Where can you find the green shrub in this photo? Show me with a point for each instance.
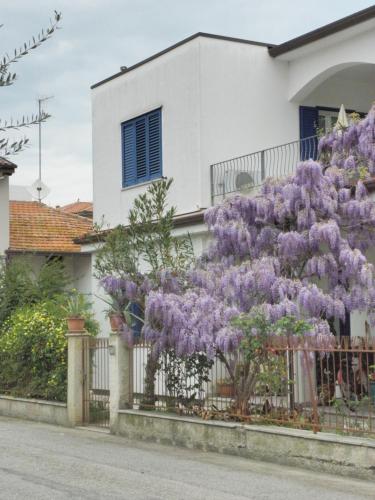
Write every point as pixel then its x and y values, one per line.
pixel 33 352
pixel 20 286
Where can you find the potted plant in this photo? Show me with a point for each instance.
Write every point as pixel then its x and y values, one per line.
pixel 76 309
pixel 225 388
pixel 116 319
pixel 372 383
pixel 114 313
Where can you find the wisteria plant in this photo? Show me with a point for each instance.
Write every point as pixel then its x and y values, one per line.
pixel 296 249
pixel 141 257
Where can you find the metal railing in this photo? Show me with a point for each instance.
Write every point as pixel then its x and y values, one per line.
pixel 245 173
pixel 96 382
pixel 334 391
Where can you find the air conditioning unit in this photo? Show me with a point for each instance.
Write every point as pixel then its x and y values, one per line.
pixel 236 181
pixel 244 181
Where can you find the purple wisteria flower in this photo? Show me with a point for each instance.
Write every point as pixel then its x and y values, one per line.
pixel 298 248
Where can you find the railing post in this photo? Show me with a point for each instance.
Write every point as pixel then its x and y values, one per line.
pixel 262 166
pixel 120 377
pixel 212 185
pixel 77 375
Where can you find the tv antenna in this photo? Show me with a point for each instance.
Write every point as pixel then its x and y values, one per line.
pixel 38 186
pixel 39 190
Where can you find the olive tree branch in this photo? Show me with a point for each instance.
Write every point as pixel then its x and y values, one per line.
pixel 7 77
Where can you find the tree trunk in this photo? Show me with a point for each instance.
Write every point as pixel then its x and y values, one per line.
pixel 244 390
pixel 148 399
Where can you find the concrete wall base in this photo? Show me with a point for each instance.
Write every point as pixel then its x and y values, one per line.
pixel 49 412
pixel 330 453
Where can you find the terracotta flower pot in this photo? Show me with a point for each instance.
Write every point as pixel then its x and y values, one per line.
pixel 76 324
pixel 115 321
pixel 225 390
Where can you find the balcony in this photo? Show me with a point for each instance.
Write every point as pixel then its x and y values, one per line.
pixel 245 174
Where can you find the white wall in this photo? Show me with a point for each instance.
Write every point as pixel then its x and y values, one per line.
pixel 314 63
pixel 4 214
pixel 354 94
pixel 244 106
pixel 78 268
pixel 219 99
pixel 99 306
pixel 170 82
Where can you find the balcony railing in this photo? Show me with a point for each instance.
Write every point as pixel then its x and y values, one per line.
pixel 245 173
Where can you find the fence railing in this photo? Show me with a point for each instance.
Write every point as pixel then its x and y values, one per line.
pixel 298 387
pixel 96 381
pixel 248 172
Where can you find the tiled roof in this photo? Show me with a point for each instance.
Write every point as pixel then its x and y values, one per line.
pixel 35 227
pixel 77 207
pixel 180 220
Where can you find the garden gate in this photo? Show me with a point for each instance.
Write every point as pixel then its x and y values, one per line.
pixel 96 382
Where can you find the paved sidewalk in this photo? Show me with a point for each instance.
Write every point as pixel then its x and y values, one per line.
pixel 38 461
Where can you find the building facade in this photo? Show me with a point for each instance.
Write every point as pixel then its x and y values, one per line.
pixel 211 98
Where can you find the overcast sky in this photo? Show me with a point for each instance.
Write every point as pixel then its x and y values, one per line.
pixel 99 36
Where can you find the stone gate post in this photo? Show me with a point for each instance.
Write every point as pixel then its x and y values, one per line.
pixel 120 377
pixel 78 369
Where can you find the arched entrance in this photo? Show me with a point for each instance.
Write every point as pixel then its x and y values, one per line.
pixel 351 84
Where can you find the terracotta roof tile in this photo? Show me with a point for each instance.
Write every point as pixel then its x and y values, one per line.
pixel 38 228
pixel 77 207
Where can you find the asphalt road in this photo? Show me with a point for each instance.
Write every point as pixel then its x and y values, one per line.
pixel 39 461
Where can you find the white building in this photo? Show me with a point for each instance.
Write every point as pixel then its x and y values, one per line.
pixel 210 98
pixel 7 168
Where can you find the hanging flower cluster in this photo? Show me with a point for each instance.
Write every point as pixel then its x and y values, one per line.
pixel 298 248
pixel 353 148
pixel 127 289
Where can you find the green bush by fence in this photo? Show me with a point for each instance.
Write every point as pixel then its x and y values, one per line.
pixel 33 352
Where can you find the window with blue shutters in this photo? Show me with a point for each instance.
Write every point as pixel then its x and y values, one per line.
pixel 141 149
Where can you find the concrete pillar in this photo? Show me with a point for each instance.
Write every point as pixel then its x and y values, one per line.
pixel 4 214
pixel 78 376
pixel 302 375
pixel 120 377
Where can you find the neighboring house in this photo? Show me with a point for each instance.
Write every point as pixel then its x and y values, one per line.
pixel 41 233
pixel 7 168
pixel 82 208
pixel 184 111
pixel 32 230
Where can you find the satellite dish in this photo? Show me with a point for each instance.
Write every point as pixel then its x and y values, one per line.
pixel 39 190
pixel 244 181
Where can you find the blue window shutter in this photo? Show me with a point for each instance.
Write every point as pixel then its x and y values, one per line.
pixel 154 144
pixel 137 325
pixel 141 140
pixel 128 154
pixel 308 122
pixel 141 149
